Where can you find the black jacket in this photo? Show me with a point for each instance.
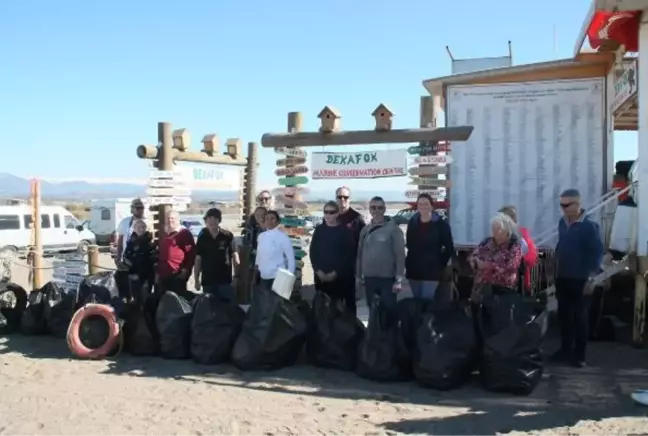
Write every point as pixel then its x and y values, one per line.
pixel 141 255
pixel 429 248
pixel 333 249
pixel 353 221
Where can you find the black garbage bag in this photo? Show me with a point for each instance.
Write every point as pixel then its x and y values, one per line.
pixel 381 354
pixel 214 328
pixel 100 288
pixel 13 301
pixel 173 319
pixel 446 347
pixel 512 329
pixel 273 333
pixel 32 321
pixel 411 313
pixel 139 339
pixel 59 308
pixel 334 335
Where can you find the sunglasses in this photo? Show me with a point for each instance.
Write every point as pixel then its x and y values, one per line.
pixel 342 197
pixel 330 212
pixel 376 207
pixel 138 207
pixel 264 198
pixel 566 205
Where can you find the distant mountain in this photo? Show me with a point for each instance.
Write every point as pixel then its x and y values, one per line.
pixel 12 186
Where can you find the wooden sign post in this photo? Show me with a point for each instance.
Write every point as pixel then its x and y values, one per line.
pixel 174 147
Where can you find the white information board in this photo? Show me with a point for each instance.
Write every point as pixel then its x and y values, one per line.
pixel 531 141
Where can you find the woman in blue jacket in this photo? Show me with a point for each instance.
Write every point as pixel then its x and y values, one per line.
pixel 429 248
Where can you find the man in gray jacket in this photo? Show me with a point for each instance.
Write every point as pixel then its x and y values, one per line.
pixel 380 264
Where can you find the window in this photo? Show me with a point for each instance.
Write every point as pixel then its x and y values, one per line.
pixel 105 214
pixel 9 222
pixel 45 221
pixel 27 220
pixel 57 221
pixel 70 222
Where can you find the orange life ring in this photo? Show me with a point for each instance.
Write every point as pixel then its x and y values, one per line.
pixel 114 339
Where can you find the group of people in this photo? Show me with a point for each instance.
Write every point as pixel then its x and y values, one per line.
pixel 352 258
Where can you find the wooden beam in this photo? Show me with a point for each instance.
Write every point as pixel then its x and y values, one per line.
pixel 311 139
pixel 151 152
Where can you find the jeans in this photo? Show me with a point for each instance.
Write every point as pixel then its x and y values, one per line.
pixel 224 291
pixel 341 289
pixel 572 314
pixel 382 289
pixel 424 288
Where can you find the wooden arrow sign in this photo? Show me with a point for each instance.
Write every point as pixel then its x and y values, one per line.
pixel 438 160
pixel 288 181
pixel 295 231
pixel 291 161
pixel 293 212
pixel 293 222
pixel 301 169
pixel 434 193
pixel 300 254
pixel 291 190
pixel 291 202
pixel 435 148
pixel 292 152
pixel 428 171
pixel 298 242
pixel 430 182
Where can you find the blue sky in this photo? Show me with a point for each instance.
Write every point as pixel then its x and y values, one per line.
pixel 83 83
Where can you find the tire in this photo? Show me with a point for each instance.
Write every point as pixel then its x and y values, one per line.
pixel 83 247
pixel 114 340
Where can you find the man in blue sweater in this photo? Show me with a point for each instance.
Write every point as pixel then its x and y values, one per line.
pixel 578 260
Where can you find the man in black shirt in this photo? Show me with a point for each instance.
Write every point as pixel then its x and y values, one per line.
pixel 215 256
pixel 349 217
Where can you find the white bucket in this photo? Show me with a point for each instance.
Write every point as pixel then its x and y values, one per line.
pixel 283 283
pixel 623 236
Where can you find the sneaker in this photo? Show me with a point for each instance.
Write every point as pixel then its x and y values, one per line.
pixel 560 356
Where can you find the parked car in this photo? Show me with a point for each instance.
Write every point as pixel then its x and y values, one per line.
pixel 194 226
pixel 403 216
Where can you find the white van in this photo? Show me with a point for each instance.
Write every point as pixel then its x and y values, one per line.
pixel 105 216
pixel 61 231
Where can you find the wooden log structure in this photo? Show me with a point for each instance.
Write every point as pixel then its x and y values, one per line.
pixel 151 152
pixel 314 139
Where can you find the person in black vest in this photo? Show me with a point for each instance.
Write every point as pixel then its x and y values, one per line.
pixel 140 257
pixel 216 256
pixel 429 248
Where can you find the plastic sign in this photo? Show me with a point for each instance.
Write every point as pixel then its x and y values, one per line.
pixel 301 169
pixel 293 222
pixel 293 212
pixel 296 231
pixel 288 181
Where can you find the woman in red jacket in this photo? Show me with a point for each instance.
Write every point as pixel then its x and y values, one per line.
pixel 531 255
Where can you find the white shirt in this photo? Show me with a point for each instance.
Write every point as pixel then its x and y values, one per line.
pixel 274 251
pixel 124 231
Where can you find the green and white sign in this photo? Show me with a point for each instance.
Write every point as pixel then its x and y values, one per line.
pixel 359 164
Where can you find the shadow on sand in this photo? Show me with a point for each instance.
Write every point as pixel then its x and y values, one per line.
pixel 564 397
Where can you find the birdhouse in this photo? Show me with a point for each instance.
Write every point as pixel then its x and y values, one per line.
pixel 210 143
pixel 330 119
pixel 181 139
pixel 383 117
pixel 234 147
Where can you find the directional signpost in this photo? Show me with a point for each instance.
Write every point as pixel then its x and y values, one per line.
pixel 437 160
pixel 291 171
pixel 423 149
pixel 292 152
pixel 428 171
pixel 291 161
pixel 419 181
pixel 291 190
pixel 434 193
pixel 168 188
pixel 290 181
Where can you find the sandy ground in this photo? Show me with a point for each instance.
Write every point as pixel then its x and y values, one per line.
pixel 43 390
